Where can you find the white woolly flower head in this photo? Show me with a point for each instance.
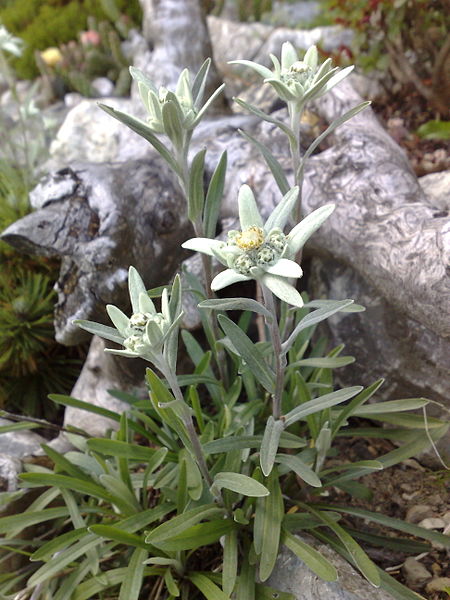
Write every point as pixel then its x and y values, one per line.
pixel 147 333
pixel 261 251
pixel 297 80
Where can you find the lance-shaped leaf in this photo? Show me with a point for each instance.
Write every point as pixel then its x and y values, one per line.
pixel 230 562
pixel 214 196
pixel 177 525
pixel 205 107
pixel 269 444
pixel 315 317
pixel 241 484
pixel 143 130
pixel 249 352
pixel 267 528
pixel 103 331
pixel 198 85
pixel 273 164
pixel 236 304
pixel 320 565
pixel 321 403
pixel 196 196
pixel 298 236
pixel 300 468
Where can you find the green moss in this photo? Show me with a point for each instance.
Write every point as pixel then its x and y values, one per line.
pixel 45 23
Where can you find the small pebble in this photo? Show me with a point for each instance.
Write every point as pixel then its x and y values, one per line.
pixel 414 572
pixel 438 584
pixel 418 512
pixel 433 523
pixel 446 517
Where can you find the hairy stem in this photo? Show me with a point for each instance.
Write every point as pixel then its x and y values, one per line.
pixel 188 423
pixel 280 361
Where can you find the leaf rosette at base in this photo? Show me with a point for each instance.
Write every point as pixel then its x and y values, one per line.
pixel 261 251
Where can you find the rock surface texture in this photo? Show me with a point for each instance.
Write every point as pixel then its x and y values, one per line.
pixel 292 576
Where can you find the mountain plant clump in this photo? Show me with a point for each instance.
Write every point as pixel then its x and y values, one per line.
pixel 196 490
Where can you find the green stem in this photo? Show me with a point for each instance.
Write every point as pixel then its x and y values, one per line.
pixel 188 423
pixel 280 360
pixel 295 116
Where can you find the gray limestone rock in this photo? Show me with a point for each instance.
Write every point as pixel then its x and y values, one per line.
pixel 18 444
pixel 291 575
pixel 89 134
pixel 10 468
pixel 436 187
pixel 99 220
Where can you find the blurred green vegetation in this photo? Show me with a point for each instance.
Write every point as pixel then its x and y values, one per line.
pixel 46 23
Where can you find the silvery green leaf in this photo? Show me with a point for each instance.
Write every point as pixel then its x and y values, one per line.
pixel 276 65
pixel 285 268
pixel 143 93
pixel 323 443
pixel 311 57
pixel 315 317
pixel 146 304
pixel 324 69
pixel 175 297
pixel 196 194
pixel 165 304
pixel 272 163
pixel 170 340
pixel 318 404
pixel 119 319
pixel 198 85
pixel 317 88
pixel 136 287
pixel 338 78
pixel 241 484
pixel 282 289
pixel 103 331
pixel 203 245
pixel 180 523
pixel 230 562
pixel 205 107
pixel 142 129
pixel 183 87
pixel 132 583
pixel 288 55
pixel 334 125
pixel 214 196
pixel 350 308
pixel 318 564
pixel 236 304
pixel 248 210
pixel 262 115
pixel 154 106
pixel 249 352
pixel 154 334
pixel 173 123
pixel 227 277
pixel 270 513
pixel 391 406
pixel 260 69
pixel 269 444
pixel 298 236
pixel 296 464
pixel 282 90
pixel 124 353
pixel 142 79
pixel 281 213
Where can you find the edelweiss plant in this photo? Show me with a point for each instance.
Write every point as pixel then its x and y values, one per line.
pixel 195 492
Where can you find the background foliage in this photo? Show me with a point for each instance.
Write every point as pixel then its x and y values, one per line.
pixel 45 23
